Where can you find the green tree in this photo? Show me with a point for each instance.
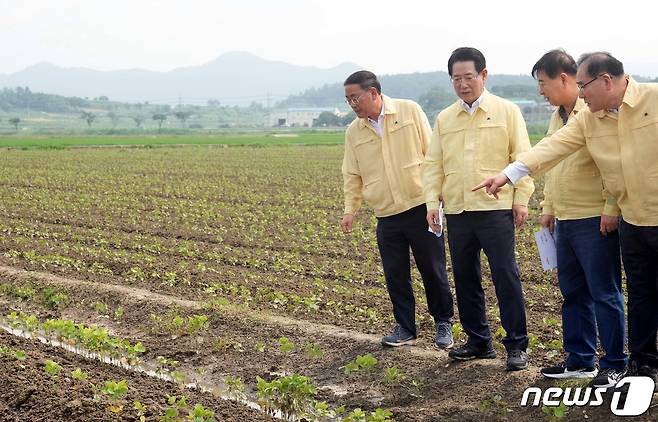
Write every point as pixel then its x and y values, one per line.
pixel 183 115
pixel 15 121
pixel 89 117
pixel 435 100
pixel 138 120
pixel 348 118
pixel 160 118
pixel 327 118
pixel 114 118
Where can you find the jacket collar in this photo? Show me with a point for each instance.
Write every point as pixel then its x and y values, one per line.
pixel 631 96
pixel 389 108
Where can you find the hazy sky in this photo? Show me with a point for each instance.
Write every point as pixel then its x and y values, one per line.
pixel 384 36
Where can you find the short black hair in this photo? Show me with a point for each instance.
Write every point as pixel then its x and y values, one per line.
pixel 553 63
pixel 364 79
pixel 601 62
pixel 467 54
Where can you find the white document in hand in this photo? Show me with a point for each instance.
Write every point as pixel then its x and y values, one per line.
pixel 439 222
pixel 546 246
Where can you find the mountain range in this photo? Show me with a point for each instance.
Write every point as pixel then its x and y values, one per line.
pixel 235 78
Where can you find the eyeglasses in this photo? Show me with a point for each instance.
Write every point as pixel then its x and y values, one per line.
pixel 469 77
pixel 354 100
pixel 582 86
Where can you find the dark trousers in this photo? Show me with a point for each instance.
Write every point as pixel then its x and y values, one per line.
pixel 639 250
pixel 589 274
pixel 491 231
pixel 395 235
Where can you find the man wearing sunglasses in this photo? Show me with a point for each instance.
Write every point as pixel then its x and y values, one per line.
pixel 620 131
pixel 384 150
pixel 472 138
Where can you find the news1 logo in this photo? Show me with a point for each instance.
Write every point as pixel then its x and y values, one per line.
pixel 637 390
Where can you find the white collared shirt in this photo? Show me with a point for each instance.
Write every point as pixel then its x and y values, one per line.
pixel 471 109
pixel 377 124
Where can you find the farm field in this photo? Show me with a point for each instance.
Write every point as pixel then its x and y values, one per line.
pixel 225 269
pixel 153 140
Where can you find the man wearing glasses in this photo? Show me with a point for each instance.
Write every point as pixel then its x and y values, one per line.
pixel 589 266
pixel 384 150
pixel 472 138
pixel 620 131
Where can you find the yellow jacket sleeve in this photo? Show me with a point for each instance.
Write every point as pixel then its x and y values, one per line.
pixel 520 143
pixel 610 207
pixel 433 174
pixel 352 182
pixel 553 149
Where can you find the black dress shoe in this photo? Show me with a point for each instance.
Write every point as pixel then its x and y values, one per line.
pixel 469 351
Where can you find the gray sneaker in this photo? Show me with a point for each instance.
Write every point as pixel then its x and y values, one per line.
pixel 444 336
pixel 399 337
pixel 517 360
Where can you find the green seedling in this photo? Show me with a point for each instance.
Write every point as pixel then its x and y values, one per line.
pixel 78 374
pixel 556 412
pixel 54 299
pixel 285 345
pixel 100 308
pixel 141 411
pixel 178 377
pixel 201 414
pixel 259 347
pixel 235 387
pixel 197 323
pixel 393 375
pixel 115 391
pixel 500 333
pixel 24 293
pixel 293 395
pixel 313 350
pixel 365 363
pixel 118 313
pixel 494 404
pixel 20 355
pixel 176 406
pixel 379 415
pixel 52 368
pixel 458 332
pixel 165 364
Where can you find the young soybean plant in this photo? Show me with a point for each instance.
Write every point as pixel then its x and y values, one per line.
pixel 78 374
pixel 141 410
pixel 235 387
pixel 201 414
pixel 52 368
pixel 115 391
pixel 285 345
pixel 379 415
pixel 362 363
pixel 392 375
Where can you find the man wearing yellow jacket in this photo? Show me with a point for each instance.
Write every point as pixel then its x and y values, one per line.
pixel 588 261
pixel 472 138
pixel 384 150
pixel 620 131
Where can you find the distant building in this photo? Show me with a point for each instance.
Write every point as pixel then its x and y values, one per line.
pixel 297 117
pixel 535 112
